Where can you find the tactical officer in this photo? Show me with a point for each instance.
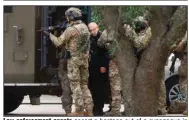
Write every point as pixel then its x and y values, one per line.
pixel 140 36
pixel 63 78
pixel 75 38
pixel 65 83
pixel 98 71
pixel 107 40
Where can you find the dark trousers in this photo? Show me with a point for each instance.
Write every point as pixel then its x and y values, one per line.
pixel 99 87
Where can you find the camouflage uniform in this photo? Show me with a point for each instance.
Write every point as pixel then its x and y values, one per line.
pixel 115 84
pixel 183 71
pixel 75 38
pixel 115 79
pixel 162 96
pixel 140 40
pixel 65 84
pixel 64 81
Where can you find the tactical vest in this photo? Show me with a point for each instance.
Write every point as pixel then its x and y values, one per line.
pixel 83 37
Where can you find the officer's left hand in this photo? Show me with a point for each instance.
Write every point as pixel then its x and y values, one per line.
pixel 102 69
pixel 107 45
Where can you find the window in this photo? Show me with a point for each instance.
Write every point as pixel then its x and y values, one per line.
pixel 7 9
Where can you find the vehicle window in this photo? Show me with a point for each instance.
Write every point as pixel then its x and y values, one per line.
pixel 8 9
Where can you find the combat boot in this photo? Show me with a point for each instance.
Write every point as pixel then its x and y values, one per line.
pixel 68 113
pixel 113 113
pixel 76 114
pixel 89 113
pixel 162 112
pixel 185 112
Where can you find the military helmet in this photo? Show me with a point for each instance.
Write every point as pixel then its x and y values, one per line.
pixel 73 13
pixel 140 23
pixel 140 18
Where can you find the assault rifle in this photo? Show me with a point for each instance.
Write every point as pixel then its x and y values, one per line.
pixel 60 27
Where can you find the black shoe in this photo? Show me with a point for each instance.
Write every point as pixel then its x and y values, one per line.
pixel 112 113
pixel 98 113
pixel 123 113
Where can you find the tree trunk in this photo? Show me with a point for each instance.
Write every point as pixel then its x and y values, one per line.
pixel 124 56
pixel 127 63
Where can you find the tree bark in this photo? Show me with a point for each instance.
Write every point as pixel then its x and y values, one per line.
pixel 127 63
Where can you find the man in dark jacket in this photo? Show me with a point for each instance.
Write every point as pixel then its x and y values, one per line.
pixel 99 84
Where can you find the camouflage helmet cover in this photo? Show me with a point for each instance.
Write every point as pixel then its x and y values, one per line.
pixel 73 13
pixel 140 18
pixel 139 23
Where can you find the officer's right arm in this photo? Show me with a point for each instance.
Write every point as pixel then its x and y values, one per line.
pixel 102 39
pixel 128 30
pixel 65 36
